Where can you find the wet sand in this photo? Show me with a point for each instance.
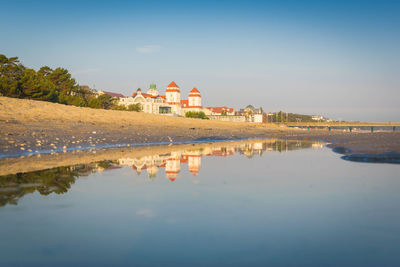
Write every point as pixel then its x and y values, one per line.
pixel 28 127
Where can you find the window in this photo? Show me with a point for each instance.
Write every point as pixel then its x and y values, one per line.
pixel 165 110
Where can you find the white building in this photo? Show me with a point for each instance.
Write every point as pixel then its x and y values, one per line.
pixel 170 104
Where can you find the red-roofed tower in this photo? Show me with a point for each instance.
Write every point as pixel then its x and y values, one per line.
pixel 194 98
pixel 173 94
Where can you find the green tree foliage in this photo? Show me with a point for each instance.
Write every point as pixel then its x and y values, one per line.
pixel 35 86
pixel 45 84
pixel 198 115
pixel 11 72
pixel 103 101
pixel 64 83
pixel 49 85
pixel 289 117
pixel 135 107
pixel 120 107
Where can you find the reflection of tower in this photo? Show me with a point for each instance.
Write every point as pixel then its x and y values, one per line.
pixel 152 171
pixel 194 162
pixel 172 167
pixel 138 165
pixel 138 169
pixel 258 147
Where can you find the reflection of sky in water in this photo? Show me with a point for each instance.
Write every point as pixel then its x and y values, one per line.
pixel 301 208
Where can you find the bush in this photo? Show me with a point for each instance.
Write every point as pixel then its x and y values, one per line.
pixel 197 115
pixel 135 107
pixel 120 107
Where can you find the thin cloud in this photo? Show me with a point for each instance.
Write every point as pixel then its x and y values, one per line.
pixel 148 49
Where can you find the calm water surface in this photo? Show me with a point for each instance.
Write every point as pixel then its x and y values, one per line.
pixel 270 203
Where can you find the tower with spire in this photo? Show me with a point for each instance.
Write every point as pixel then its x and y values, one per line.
pixel 153 90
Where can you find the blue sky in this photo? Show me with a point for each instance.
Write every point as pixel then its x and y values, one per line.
pixel 335 58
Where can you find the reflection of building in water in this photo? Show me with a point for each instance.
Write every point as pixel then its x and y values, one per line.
pixel 192 157
pixel 194 161
pixel 173 166
pixel 59 180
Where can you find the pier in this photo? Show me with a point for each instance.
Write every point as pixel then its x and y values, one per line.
pixel 344 125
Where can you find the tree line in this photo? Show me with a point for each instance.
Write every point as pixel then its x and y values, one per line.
pixel 53 85
pixel 55 180
pixel 282 117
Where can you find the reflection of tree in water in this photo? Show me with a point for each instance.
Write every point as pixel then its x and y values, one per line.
pixel 56 180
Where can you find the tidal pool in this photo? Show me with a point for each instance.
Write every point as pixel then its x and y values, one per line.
pixel 270 203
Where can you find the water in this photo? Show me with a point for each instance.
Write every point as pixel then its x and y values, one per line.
pixel 260 204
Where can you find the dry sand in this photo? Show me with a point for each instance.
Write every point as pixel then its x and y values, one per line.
pixel 27 126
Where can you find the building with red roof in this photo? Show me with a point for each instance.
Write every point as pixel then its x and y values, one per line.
pixel 221 110
pixel 168 104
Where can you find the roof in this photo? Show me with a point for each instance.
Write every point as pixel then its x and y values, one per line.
pixel 220 109
pixel 173 84
pixel 185 103
pixel 250 107
pixel 113 94
pixel 194 93
pixel 146 95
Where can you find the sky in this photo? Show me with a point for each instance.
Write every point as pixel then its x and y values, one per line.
pixel 338 58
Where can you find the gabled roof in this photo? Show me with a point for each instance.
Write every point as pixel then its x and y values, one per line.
pixel 113 94
pixel 173 84
pixel 194 90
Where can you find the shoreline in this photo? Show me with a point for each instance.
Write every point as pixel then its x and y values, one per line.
pixel 33 127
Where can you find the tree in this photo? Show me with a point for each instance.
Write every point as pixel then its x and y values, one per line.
pixel 35 86
pixel 45 71
pixel 63 81
pixel 11 72
pixel 47 84
pixel 103 101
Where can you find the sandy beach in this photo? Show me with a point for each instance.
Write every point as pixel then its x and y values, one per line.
pixel 28 126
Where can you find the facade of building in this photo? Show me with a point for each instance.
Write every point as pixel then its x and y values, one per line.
pixel 168 104
pixel 252 114
pixel 173 105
